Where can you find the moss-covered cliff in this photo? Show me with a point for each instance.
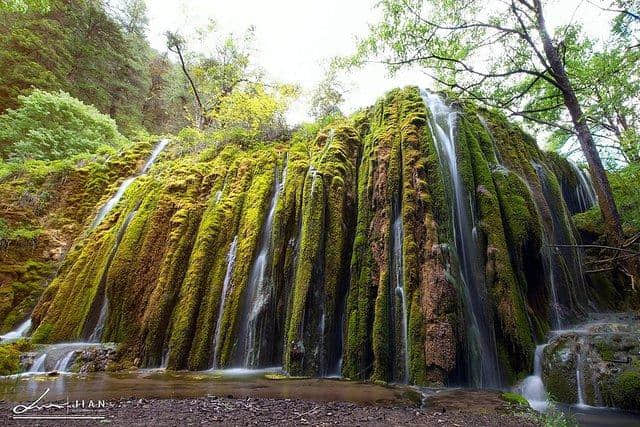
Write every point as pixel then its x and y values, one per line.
pixel 309 226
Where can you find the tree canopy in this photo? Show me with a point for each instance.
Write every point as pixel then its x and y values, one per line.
pixel 51 126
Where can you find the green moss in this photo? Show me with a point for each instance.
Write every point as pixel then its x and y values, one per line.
pixel 626 391
pixel 9 359
pixel 514 398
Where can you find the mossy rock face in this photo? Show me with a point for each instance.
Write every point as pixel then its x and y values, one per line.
pixel 607 355
pixel 559 369
pixel 177 292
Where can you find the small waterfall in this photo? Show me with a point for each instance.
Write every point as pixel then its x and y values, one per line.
pixel 257 292
pixel 563 260
pixel 113 201
pixel 547 255
pixel 218 196
pixel 38 364
pixel 284 173
pixel 532 387
pixel 63 364
pixel 314 175
pixel 496 151
pixel 231 259
pixel 481 353
pixel 400 304
pixel 165 359
pixel 96 331
pixel 154 155
pixel 18 332
pixel 585 194
pixel 579 379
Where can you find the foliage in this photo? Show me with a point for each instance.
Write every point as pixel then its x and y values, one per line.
pixel 24 5
pixel 607 81
pixel 231 97
pixel 327 96
pixel 452 41
pixel 556 418
pixel 624 183
pixel 50 126
pixel 514 398
pixel 249 116
pixel 97 53
pixel 10 356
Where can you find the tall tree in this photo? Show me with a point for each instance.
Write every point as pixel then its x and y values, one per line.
pixel 176 44
pixel 327 96
pixel 215 72
pixel 471 47
pixel 76 46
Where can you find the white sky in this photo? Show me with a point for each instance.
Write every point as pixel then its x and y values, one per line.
pixel 294 38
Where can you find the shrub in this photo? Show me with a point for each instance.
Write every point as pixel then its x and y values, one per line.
pixel 51 126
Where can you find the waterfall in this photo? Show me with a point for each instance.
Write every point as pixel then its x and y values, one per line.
pixel 496 151
pixel 63 364
pixel 579 369
pixel 96 331
pixel 257 292
pixel 18 332
pixel 38 364
pixel 585 193
pixel 547 256
pixel 113 201
pixel 567 259
pixel 400 304
pixel 532 387
pixel 482 353
pixel 231 259
pixel 154 155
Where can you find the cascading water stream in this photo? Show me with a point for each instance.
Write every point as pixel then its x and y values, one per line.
pixel 482 353
pixel 63 364
pixel 19 332
pixel 154 155
pixel 585 192
pixel 96 331
pixel 231 259
pixel 400 304
pixel 579 379
pixel 113 201
pixel 494 145
pixel 560 242
pixel 532 387
pixel 38 364
pixel 257 292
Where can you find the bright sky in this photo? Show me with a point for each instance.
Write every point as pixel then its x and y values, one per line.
pixel 294 38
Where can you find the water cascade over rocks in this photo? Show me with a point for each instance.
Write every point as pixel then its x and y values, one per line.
pixel 482 353
pixel 413 242
pixel 113 201
pixel 19 332
pixel 231 259
pixel 258 293
pixel 95 327
pixel 532 387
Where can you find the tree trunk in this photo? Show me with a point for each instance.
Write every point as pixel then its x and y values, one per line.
pixel 613 225
pixel 200 116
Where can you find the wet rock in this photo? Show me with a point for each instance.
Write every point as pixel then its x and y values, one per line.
pixel 607 356
pixel 95 359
